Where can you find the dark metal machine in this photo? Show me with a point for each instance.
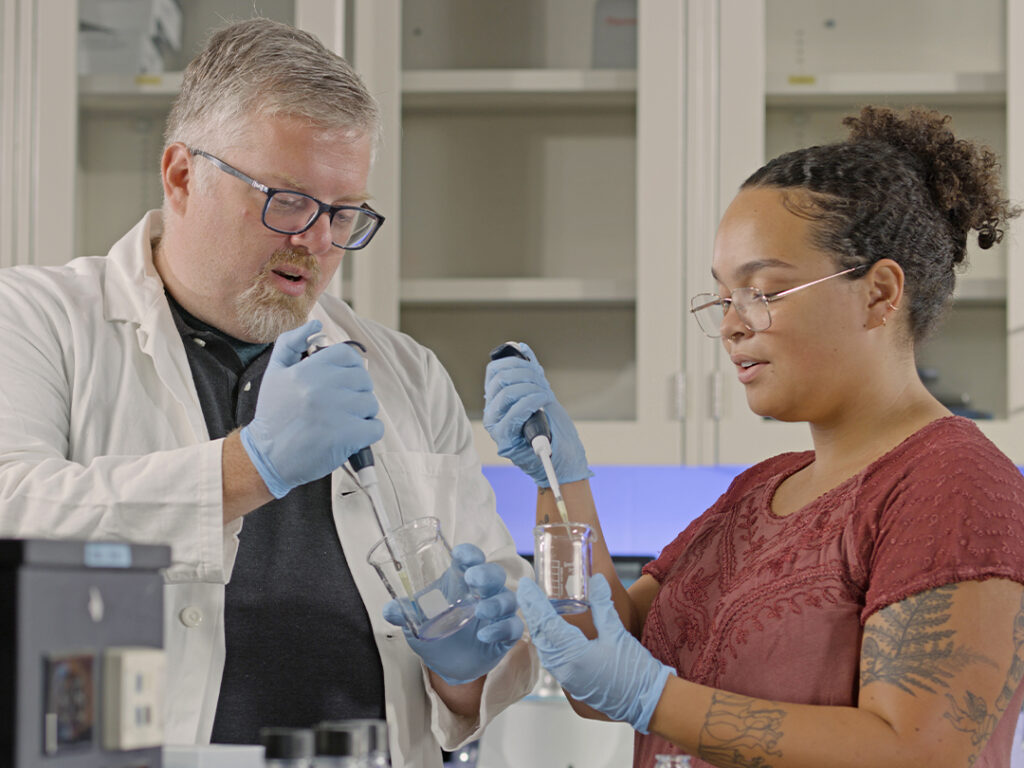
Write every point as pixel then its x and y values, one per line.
pixel 81 654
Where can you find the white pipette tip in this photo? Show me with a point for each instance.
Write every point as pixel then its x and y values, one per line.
pixel 542 447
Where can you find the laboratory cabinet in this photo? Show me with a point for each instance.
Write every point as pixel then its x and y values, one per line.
pixel 539 197
pixel 815 62
pixel 544 187
pixel 530 195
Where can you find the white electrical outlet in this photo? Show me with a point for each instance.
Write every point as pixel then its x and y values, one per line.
pixel 133 697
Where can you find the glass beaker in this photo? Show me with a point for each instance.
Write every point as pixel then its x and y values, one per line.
pixel 415 563
pixel 562 562
pixel 378 753
pixel 671 761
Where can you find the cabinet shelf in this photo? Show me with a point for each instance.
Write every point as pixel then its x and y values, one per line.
pixel 128 93
pixel 981 88
pixel 506 291
pixel 421 89
pixel 493 88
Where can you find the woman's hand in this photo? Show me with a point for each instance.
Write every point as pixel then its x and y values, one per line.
pixel 514 389
pixel 613 673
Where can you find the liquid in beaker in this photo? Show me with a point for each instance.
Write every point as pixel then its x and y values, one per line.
pixel 562 562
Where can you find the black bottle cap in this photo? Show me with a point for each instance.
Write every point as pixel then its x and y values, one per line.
pixel 342 738
pixel 287 743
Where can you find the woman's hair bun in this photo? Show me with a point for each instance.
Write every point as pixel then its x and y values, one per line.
pixel 962 176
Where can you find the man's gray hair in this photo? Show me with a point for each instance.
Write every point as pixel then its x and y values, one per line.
pixel 261 68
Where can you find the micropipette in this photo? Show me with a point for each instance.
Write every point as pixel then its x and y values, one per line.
pixel 537 431
pixel 362 464
pixel 362 460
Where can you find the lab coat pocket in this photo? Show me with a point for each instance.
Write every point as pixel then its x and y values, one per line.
pixel 420 485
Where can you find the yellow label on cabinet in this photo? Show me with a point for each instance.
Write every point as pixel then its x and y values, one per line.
pixel 802 79
pixel 148 79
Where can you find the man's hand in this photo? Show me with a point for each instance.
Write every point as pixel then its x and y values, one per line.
pixel 312 413
pixel 477 647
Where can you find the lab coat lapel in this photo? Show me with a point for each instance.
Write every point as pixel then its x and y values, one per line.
pixel 134 293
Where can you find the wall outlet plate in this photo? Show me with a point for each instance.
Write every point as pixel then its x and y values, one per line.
pixel 133 697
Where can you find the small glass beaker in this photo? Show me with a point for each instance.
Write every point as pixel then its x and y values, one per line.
pixel 562 562
pixel 671 761
pixel 378 753
pixel 415 563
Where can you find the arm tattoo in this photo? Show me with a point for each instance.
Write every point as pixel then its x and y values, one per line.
pixel 912 647
pixel 973 716
pixel 740 732
pixel 1016 673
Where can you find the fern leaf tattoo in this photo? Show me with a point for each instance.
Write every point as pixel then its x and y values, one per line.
pixel 912 647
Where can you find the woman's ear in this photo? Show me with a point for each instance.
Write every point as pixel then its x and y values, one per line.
pixel 884 283
pixel 176 174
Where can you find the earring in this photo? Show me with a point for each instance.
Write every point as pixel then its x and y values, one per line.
pixel 884 318
pixel 893 307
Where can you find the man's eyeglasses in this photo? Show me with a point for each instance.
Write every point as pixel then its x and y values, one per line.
pixel 291 213
pixel 750 304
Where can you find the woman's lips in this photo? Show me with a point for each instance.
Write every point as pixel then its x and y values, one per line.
pixel 748 370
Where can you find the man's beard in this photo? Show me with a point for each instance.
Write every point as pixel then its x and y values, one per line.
pixel 264 312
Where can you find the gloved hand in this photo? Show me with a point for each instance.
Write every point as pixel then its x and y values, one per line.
pixel 513 390
pixel 613 673
pixel 311 414
pixel 477 647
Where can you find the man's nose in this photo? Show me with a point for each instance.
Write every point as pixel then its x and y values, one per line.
pixel 317 239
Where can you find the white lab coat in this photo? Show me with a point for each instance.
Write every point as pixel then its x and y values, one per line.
pixel 102 437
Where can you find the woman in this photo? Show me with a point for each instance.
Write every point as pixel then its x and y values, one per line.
pixel 855 605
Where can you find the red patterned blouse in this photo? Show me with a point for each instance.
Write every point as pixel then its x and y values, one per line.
pixel 773 607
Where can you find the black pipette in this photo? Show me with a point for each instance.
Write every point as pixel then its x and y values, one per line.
pixel 536 430
pixel 362 460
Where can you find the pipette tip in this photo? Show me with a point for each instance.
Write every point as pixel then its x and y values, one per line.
pixel 562 510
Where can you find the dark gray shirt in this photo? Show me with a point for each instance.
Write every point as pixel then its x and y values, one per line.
pixel 299 644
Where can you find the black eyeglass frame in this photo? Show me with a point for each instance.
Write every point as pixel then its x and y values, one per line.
pixel 322 207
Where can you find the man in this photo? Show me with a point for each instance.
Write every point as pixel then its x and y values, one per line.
pixel 127 377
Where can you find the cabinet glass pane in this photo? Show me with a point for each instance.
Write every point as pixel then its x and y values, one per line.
pixel 202 16
pixel 811 37
pixel 588 354
pixel 120 135
pixel 964 365
pixel 519 195
pixel 525 34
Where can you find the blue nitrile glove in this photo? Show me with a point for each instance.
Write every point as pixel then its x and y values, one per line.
pixel 613 673
pixel 478 646
pixel 513 390
pixel 311 414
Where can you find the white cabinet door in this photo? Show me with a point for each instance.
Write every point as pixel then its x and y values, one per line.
pixel 537 198
pixel 37 131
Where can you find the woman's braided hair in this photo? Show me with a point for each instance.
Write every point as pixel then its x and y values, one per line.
pixel 901 187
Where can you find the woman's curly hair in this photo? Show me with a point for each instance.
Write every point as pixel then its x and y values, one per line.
pixel 901 187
